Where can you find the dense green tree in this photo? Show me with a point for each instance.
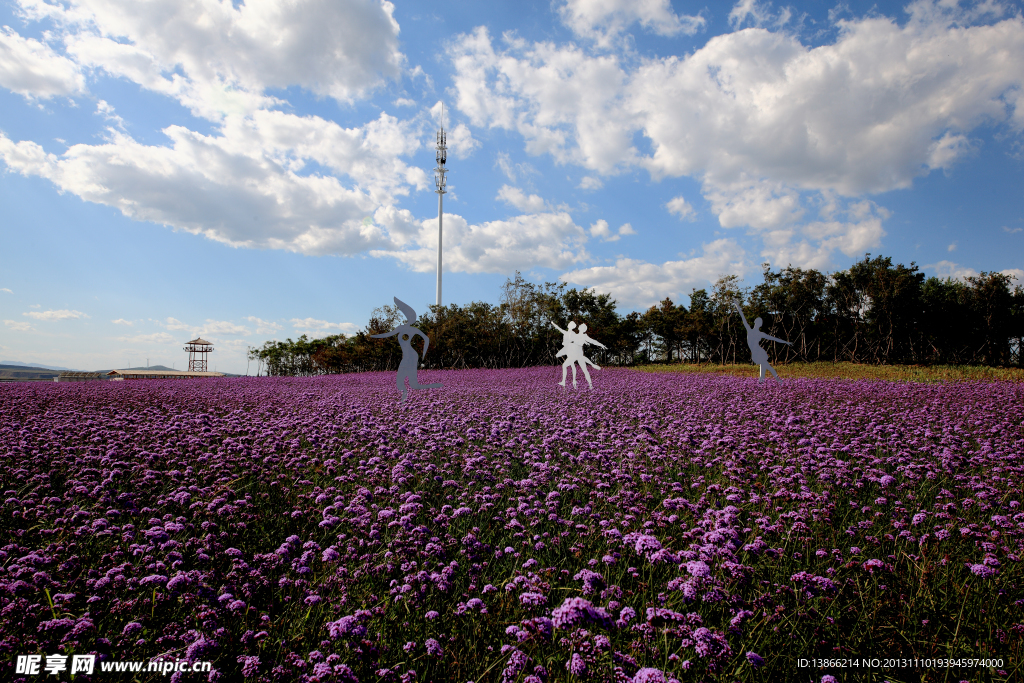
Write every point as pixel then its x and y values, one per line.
pixel 791 304
pixel 873 312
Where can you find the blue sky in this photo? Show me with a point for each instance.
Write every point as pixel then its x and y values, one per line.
pixel 257 170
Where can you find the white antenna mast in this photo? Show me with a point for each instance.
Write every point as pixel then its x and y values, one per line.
pixel 440 182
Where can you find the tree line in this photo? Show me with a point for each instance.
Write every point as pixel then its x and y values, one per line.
pixel 874 312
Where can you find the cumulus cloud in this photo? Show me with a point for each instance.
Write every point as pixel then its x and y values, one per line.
pixel 32 69
pixel 1016 273
pixel 175 324
pixel 770 126
pixel 244 187
pixel 681 208
pixel 461 141
pixel 849 227
pixel 949 270
pixel 561 100
pixel 63 314
pixel 215 56
pixel 546 240
pixel 264 326
pixel 753 203
pixel 642 284
pixel 519 199
pixel 122 321
pixel 223 327
pixel 868 113
pixel 601 230
pixel 513 170
pixel 19 326
pixel 603 20
pixel 322 326
pixel 758 14
pixel 590 183
pixel 5 289
pixel 246 183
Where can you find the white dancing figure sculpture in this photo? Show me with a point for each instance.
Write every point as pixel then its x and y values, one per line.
pixel 572 349
pixel 410 359
pixel 754 336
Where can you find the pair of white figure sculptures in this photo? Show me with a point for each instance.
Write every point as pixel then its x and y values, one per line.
pixel 573 341
pixel 572 349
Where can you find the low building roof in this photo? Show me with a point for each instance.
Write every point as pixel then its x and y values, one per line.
pixel 160 374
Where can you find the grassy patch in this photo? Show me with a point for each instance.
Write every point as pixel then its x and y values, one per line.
pixel 844 370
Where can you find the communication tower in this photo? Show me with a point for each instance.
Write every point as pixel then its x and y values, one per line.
pixel 440 182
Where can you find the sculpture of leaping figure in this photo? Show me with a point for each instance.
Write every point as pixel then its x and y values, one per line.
pixel 410 359
pixel 572 349
pixel 754 336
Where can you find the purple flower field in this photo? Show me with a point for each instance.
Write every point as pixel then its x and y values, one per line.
pixel 658 528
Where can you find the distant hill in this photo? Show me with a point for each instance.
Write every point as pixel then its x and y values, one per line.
pixel 151 367
pixel 21 371
pixel 26 372
pixel 15 363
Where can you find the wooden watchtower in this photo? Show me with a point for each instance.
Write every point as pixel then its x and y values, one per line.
pixel 198 349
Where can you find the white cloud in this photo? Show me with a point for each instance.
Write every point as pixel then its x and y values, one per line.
pixel 174 324
pixel 4 289
pixel 851 228
pixel 402 227
pixel 642 284
pixel 154 338
pixel 106 110
pixel 19 326
pixel 322 326
pixel 603 20
pixel 951 247
pixel 757 204
pixel 405 102
pixel 245 183
pixel 243 187
pixel 223 327
pixel 600 229
pixel 62 314
pixel 513 171
pixel 1006 229
pixel 868 113
pixel 590 183
pixel 954 271
pixel 758 14
pixel 681 208
pixel 519 199
pixel 1016 273
pixel 950 270
pixel 545 240
pixel 264 326
pixel 561 100
pixel 32 69
pixel 461 141
pixel 215 57
pixel 122 321
pixel 770 126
